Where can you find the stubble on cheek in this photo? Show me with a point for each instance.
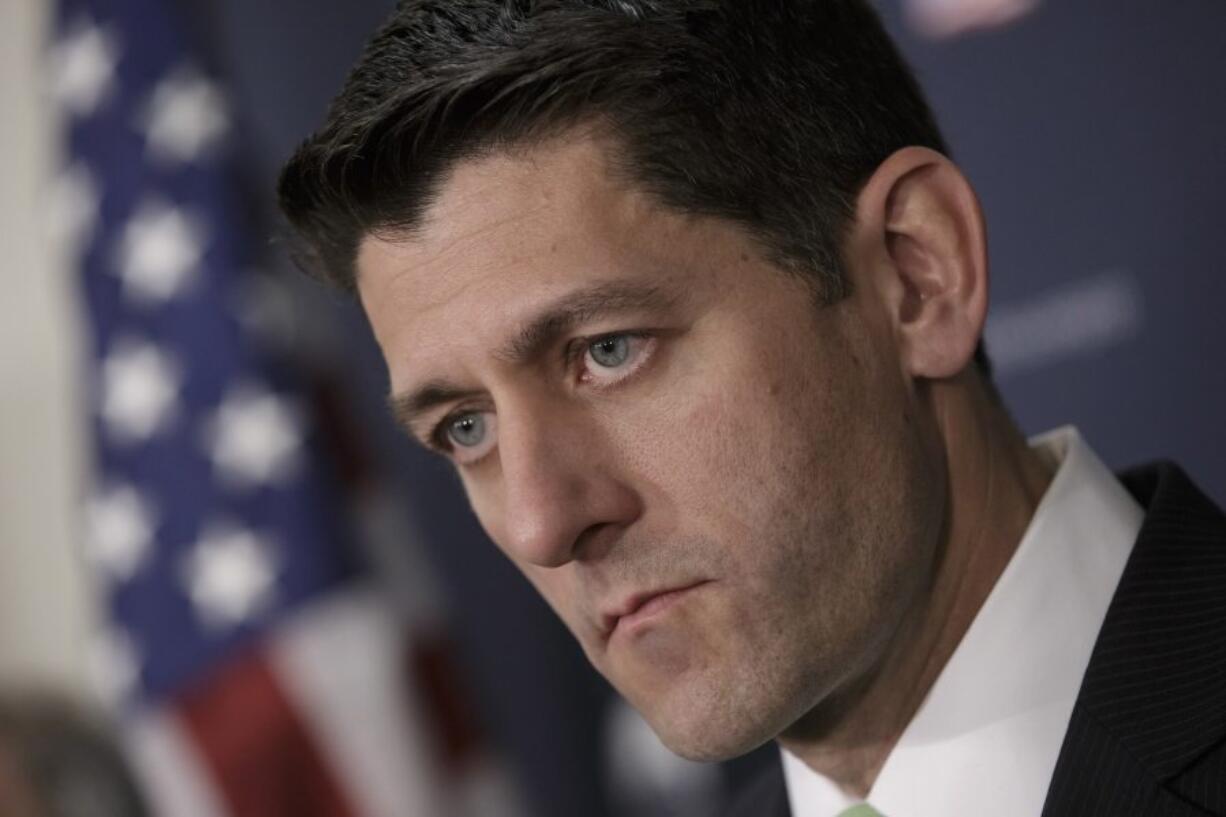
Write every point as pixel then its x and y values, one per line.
pixel 716 681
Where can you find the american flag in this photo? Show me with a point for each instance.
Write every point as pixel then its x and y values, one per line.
pixel 255 671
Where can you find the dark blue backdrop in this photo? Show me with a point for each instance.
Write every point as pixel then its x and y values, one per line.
pixel 1095 133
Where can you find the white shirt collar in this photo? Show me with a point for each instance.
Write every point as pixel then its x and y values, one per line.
pixel 987 736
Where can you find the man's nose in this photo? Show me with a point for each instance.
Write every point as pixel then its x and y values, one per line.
pixel 564 497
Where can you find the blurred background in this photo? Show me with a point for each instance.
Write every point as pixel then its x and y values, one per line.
pixel 228 587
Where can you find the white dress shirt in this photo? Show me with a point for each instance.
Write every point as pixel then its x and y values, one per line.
pixel 986 738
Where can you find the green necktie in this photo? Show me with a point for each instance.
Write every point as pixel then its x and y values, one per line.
pixel 861 810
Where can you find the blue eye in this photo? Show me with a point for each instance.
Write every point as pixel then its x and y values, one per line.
pixel 610 352
pixel 467 430
pixel 467 437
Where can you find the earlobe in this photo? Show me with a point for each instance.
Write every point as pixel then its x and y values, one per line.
pixel 928 226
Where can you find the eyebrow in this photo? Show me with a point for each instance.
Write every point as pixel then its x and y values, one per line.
pixel 536 335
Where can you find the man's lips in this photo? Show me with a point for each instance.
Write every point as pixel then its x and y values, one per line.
pixel 640 606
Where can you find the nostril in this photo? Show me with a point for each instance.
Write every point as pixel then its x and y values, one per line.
pixel 595 541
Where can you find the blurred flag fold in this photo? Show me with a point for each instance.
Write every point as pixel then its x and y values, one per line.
pixel 256 672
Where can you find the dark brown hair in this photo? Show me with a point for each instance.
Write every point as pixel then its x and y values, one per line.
pixel 768 113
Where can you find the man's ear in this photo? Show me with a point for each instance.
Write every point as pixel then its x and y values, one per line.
pixel 921 238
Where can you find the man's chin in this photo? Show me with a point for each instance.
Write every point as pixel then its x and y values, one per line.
pixel 713 748
pixel 702 708
pixel 708 735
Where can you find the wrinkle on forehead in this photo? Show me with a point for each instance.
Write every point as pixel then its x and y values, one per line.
pixel 400 257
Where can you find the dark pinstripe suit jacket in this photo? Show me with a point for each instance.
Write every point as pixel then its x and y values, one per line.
pixel 1148 733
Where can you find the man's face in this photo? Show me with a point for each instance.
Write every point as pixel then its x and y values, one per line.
pixel 720 488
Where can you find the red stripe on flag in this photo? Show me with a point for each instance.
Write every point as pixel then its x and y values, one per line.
pixel 448 706
pixel 263 758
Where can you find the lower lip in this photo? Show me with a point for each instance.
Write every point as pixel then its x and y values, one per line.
pixel 651 609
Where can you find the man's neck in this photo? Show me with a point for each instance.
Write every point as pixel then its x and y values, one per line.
pixel 995 484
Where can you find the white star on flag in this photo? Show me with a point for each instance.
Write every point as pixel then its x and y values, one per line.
pixel 265 308
pixel 82 68
pixel 140 385
pixel 160 251
pixel 73 199
pixel 947 18
pixel 186 115
pixel 254 437
pixel 229 575
pixel 120 524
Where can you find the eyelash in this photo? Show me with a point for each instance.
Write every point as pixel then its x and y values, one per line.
pixel 438 437
pixel 574 352
pixel 578 349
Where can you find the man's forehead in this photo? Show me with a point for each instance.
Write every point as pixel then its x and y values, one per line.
pixel 508 318
pixel 498 304
pixel 514 225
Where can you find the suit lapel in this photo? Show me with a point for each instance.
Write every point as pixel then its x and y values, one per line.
pixel 1153 700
